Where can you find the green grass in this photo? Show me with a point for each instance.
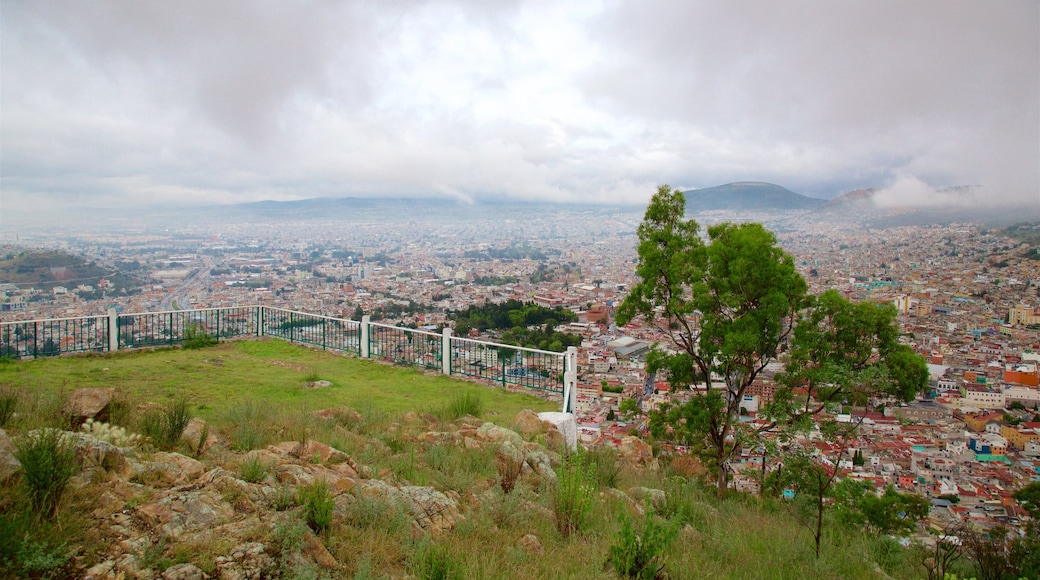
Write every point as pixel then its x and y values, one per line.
pixel 218 379
pixel 252 393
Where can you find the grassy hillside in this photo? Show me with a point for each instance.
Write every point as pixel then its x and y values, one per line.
pixel 217 379
pixel 404 433
pixel 47 269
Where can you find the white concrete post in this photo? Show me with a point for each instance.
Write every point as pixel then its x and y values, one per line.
pixel 570 379
pixel 113 330
pixel 365 321
pixel 446 352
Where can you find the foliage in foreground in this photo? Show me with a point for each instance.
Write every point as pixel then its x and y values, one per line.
pixel 166 425
pixel 638 553
pixel 372 537
pixel 48 461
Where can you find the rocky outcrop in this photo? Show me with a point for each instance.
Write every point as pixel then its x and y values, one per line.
pixel 645 496
pixel 194 432
pixel 147 503
pixel 85 404
pixel 635 452
pixel 172 468
pixel 527 423
pixel 247 561
pixel 431 510
pixel 565 425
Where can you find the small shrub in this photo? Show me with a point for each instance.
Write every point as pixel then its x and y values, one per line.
pixel 283 498
pixel 606 469
pixel 196 337
pixel 637 554
pixel 41 560
pixel 462 405
pixel 318 503
pixel 8 403
pixel 203 436
pixel 165 426
pixel 434 562
pixel 572 495
pixel 248 419
pixel 377 514
pixel 253 470
pixel 48 462
pixel 508 473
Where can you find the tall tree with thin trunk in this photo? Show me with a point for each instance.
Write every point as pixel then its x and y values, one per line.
pixel 726 304
pixel 734 302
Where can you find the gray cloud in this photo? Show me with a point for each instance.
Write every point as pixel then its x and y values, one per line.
pixel 202 102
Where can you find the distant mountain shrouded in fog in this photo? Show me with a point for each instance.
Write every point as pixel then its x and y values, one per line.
pixel 747 196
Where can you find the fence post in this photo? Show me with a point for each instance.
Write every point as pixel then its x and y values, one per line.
pixel 446 351
pixel 365 330
pixel 570 379
pixel 113 330
pixel 260 314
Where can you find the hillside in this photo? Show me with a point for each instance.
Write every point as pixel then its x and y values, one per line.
pixel 47 269
pixel 380 472
pixel 747 196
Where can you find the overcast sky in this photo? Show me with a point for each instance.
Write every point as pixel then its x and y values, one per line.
pixel 106 103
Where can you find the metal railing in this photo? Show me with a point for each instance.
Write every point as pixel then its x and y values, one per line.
pixel 174 327
pixel 502 364
pixel 508 365
pixel 51 337
pixel 406 345
pixel 325 332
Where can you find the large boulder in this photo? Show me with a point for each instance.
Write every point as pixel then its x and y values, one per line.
pixel 510 459
pixel 431 510
pixel 495 434
pixel 178 513
pixel 95 453
pixel 636 453
pixel 173 468
pixel 527 423
pixel 92 403
pixel 541 464
pixel 194 431
pixel 565 424
pixel 184 571
pixel 647 496
pixel 248 561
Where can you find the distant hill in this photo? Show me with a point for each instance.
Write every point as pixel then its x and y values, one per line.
pixel 47 269
pixel 749 196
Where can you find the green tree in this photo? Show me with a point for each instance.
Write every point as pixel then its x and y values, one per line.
pixel 727 306
pixel 629 408
pixel 843 352
pixel 889 513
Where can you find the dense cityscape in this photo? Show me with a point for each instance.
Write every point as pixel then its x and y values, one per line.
pixel 966 299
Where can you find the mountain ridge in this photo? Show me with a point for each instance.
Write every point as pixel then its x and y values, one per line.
pixel 757 196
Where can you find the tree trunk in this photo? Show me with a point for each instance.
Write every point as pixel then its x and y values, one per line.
pixel 721 480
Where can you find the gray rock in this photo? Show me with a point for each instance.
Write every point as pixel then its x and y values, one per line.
pixel 183 572
pixel 541 464
pixel 647 495
pixel 8 464
pixel 565 424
